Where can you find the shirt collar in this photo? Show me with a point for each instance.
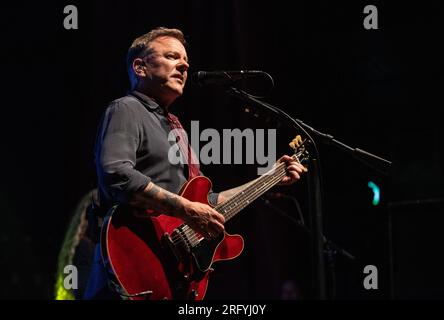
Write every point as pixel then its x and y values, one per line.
pixel 147 101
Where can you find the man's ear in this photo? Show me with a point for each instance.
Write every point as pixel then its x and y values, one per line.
pixel 139 67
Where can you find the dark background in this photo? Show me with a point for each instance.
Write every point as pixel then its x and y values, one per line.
pixel 379 90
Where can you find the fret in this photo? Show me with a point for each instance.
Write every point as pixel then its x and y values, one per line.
pixel 239 201
pixel 252 192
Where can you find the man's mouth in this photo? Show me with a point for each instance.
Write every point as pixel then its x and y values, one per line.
pixel 180 78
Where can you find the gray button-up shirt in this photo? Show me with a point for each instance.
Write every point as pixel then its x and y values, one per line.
pixel 132 150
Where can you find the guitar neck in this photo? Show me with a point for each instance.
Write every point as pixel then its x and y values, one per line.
pixel 242 199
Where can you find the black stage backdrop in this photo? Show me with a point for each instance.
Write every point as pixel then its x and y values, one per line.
pixel 380 90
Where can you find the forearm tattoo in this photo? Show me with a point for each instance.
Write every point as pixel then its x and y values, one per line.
pixel 171 201
pixel 161 199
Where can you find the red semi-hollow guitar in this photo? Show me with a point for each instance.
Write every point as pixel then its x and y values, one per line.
pixel 156 256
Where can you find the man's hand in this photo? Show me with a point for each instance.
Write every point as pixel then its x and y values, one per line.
pixel 200 217
pixel 294 170
pixel 203 219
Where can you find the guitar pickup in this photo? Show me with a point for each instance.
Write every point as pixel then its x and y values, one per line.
pixel 168 242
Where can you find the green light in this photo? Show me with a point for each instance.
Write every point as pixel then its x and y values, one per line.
pixel 61 292
pixel 376 192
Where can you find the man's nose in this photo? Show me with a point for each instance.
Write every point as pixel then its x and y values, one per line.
pixel 183 66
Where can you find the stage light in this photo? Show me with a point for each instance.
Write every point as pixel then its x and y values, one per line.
pixel 62 293
pixel 376 192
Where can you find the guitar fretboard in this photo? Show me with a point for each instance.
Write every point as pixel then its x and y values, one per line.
pixel 242 199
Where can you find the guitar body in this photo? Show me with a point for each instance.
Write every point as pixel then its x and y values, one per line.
pixel 149 256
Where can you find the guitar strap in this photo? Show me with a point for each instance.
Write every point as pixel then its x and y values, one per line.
pixel 184 147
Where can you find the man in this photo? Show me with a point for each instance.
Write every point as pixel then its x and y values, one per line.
pixel 132 143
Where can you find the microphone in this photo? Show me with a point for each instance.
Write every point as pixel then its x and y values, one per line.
pixel 202 78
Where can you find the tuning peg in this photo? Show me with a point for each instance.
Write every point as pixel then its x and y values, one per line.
pixel 296 142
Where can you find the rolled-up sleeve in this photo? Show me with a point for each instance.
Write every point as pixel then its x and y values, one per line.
pixel 117 142
pixel 212 198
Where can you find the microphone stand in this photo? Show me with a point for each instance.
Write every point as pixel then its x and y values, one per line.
pixel 314 179
pixel 377 163
pixel 331 248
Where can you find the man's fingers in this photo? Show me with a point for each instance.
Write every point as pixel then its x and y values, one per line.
pixel 213 230
pixel 295 175
pixel 285 158
pixel 291 177
pixel 217 228
pixel 214 226
pixel 304 169
pixel 219 217
pixel 296 168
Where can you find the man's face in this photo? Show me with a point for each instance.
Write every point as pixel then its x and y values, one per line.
pixel 167 67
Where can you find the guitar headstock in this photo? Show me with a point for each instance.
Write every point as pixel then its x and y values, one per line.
pixel 301 153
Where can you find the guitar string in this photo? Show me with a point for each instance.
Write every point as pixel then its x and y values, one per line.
pixel 249 196
pixel 232 202
pixel 255 195
pixel 194 238
pixel 257 192
pixel 229 204
pixel 233 207
pixel 271 181
pixel 244 198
